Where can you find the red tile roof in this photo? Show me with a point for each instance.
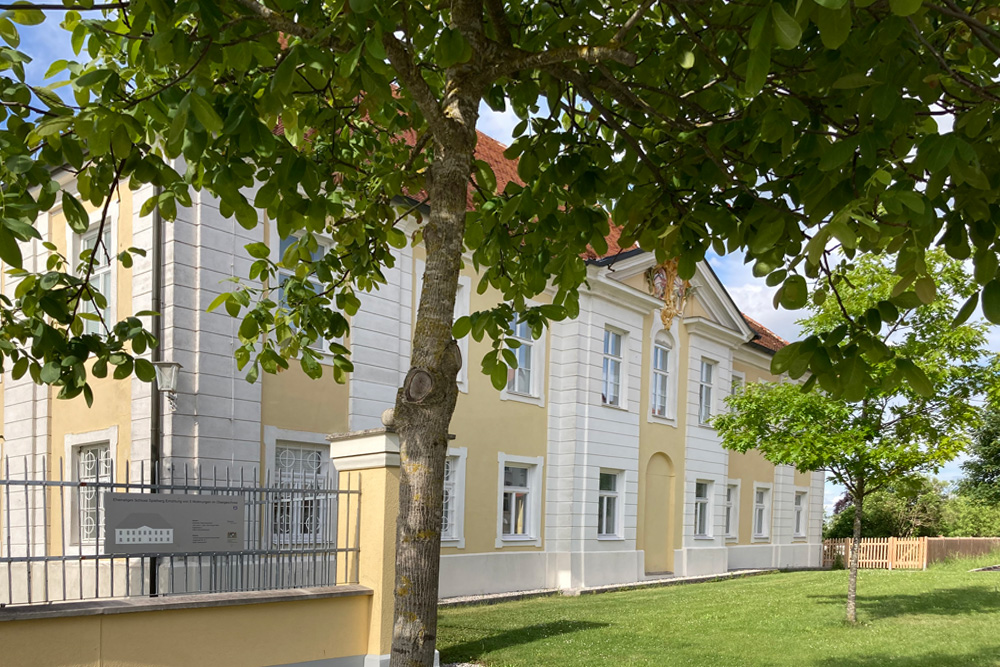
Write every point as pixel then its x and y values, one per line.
pixel 765 338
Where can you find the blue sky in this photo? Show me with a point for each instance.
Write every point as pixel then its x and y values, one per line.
pixel 48 42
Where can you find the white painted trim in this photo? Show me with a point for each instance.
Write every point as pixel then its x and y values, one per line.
pixel 365 451
pixel 623 370
pixel 539 372
pixel 620 293
pixel 713 331
pixel 734 518
pixel 535 466
pixel 619 494
pixel 709 509
pixel 673 373
pixel 72 442
pixel 75 243
pixel 803 536
pixel 458 541
pixel 273 435
pixel 768 511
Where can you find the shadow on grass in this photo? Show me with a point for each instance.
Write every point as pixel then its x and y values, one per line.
pixel 990 656
pixel 945 602
pixel 474 649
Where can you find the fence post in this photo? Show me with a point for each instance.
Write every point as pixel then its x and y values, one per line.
pixel 373 457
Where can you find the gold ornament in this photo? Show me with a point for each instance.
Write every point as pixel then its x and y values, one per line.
pixel 664 284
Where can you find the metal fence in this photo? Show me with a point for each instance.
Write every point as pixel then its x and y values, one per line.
pixel 300 530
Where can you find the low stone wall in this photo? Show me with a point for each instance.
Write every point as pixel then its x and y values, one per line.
pixel 259 629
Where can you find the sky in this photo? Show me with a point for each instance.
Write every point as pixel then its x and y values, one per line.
pixel 47 43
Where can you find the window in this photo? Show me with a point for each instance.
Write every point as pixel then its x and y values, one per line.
pixel 611 372
pixel 453 514
pixel 515 500
pixel 800 514
pixel 661 379
pixel 705 392
pixel 608 504
pixel 519 502
pixel 284 274
pixel 100 277
pixel 761 512
pixel 736 383
pixel 299 514
pixel 521 379
pixel 93 469
pixel 732 509
pixel 702 523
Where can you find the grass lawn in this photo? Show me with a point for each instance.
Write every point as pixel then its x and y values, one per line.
pixel 944 616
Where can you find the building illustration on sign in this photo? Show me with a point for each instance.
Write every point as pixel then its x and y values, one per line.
pixel 144 528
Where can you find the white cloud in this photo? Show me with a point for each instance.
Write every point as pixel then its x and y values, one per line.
pixel 497 124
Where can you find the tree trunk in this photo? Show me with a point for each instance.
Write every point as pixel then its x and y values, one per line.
pixel 426 401
pixel 852 576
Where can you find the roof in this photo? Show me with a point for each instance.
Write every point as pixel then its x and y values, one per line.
pixel 764 338
pixel 615 251
pixel 143 520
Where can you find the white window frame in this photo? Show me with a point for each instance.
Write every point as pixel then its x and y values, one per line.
pixel 534 465
pixel 538 373
pixel 703 506
pixel 73 443
pixel 111 228
pixel 322 346
pixel 800 514
pixel 732 510
pixel 275 437
pixel 762 532
pixel 521 332
pixel 737 379
pixel 616 498
pixel 662 379
pixel 607 359
pixel 456 536
pixel 706 387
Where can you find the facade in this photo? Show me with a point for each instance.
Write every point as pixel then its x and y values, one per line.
pixel 594 466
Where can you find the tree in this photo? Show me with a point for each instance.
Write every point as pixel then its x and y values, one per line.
pixel 892 433
pixel 982 471
pixel 788 131
pixel 911 507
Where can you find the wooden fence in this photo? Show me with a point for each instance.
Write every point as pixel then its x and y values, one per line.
pixel 879 553
pixel 891 553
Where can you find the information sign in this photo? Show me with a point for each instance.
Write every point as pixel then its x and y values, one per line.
pixel 137 523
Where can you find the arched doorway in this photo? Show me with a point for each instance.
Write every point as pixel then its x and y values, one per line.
pixel 659 515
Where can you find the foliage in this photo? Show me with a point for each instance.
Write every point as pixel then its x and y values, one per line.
pixel 782 132
pixel 903 510
pixel 982 469
pixel 967 517
pixel 944 617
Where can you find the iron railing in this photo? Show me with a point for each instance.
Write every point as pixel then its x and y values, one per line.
pixel 299 531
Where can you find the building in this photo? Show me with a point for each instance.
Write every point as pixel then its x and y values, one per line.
pixel 594 466
pixel 144 528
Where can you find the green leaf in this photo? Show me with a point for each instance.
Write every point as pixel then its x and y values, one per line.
pixel 219 300
pixel 832 4
pixel 462 327
pixel 76 214
pixel 905 7
pixel 144 370
pixel 498 376
pixel 926 289
pixel 92 78
pixel 361 6
pixel 916 377
pixel 24 14
pixel 794 293
pixel 258 250
pixel 834 25
pixel 787 31
pixel 452 48
pixel 9 33
pixel 687 60
pixel 991 301
pixel 759 66
pixel 965 312
pixel 51 372
pixel 205 113
pixel 10 250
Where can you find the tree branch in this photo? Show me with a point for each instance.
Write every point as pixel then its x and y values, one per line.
pixel 281 23
pixel 628 25
pixel 515 60
pixel 499 19
pixel 402 61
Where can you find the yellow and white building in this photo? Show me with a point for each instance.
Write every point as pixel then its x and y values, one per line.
pixel 594 466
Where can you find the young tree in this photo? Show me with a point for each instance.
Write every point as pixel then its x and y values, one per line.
pixel 891 432
pixel 982 471
pixel 774 128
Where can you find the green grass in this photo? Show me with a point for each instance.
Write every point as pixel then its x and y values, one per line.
pixel 942 617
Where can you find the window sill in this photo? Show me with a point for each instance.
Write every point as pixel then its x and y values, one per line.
pixel 707 427
pixel 454 542
pixel 507 395
pixel 667 421
pixel 705 538
pixel 611 538
pixel 732 538
pixel 622 408
pixel 799 538
pixel 761 538
pixel 517 541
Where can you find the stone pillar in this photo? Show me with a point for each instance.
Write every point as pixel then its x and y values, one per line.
pixel 371 458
